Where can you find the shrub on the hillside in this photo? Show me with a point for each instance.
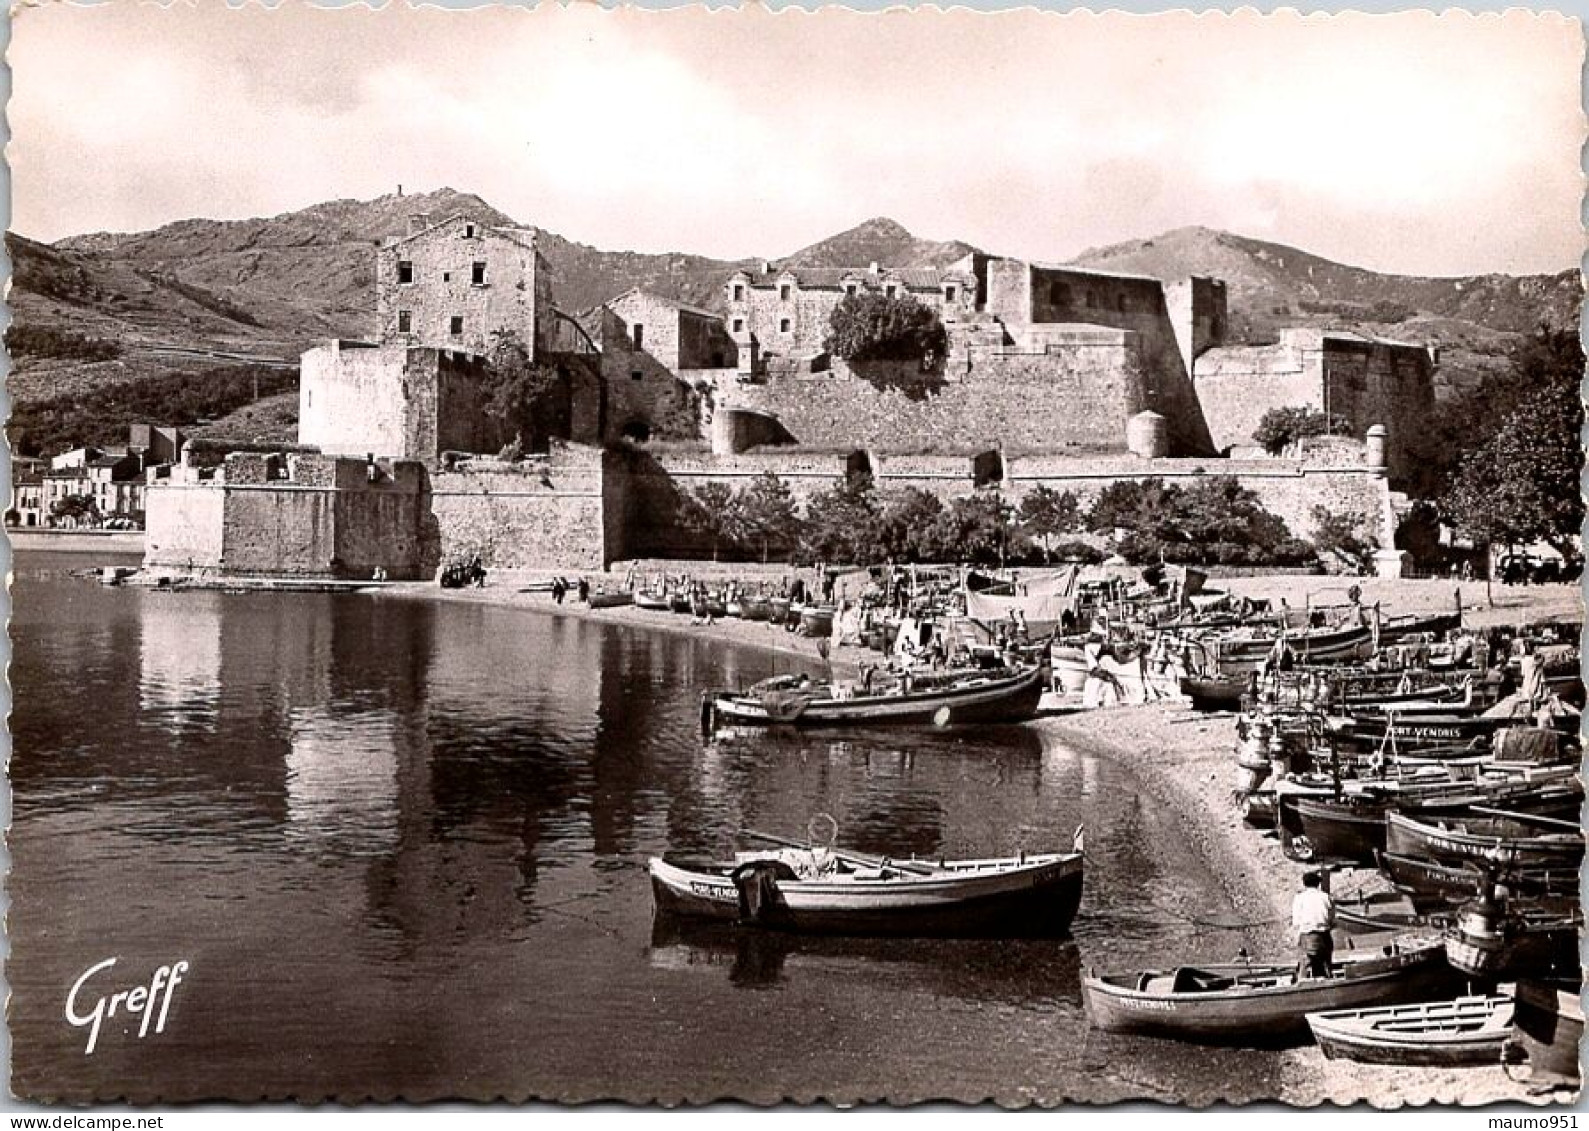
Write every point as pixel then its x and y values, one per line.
pixel 25 340
pixel 101 415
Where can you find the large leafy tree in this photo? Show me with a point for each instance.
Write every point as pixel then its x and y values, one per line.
pixel 974 528
pixel 523 393
pixel 1215 521
pixel 840 524
pixel 712 512
pixel 875 327
pixel 1048 514
pixel 905 528
pixel 1522 485
pixel 765 511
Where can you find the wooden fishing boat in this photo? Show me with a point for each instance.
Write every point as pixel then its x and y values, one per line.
pixel 1350 827
pixel 679 601
pixel 1448 1034
pixel 795 889
pixel 657 602
pixel 610 600
pixel 1517 842
pixel 1389 912
pixel 1241 654
pixel 1395 732
pixel 1420 877
pixel 1214 693
pixel 1547 1030
pixel 1260 1003
pixel 972 695
pixel 1396 628
pixel 817 620
pixel 755 608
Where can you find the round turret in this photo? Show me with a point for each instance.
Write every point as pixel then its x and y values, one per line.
pixel 1376 446
pixel 1148 435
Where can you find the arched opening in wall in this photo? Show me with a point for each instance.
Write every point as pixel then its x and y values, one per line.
pixel 987 469
pixel 636 431
pixel 858 465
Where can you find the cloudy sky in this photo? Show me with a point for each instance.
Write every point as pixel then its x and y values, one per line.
pixel 1414 143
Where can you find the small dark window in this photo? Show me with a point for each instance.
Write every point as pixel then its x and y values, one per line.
pixel 468 231
pixel 405 321
pixel 851 289
pixel 456 324
pixel 405 271
pixel 783 325
pixel 446 276
pixel 739 292
pixel 739 325
pixel 949 294
pixel 891 291
pixel 783 292
pixel 639 336
pixel 636 375
pixel 477 274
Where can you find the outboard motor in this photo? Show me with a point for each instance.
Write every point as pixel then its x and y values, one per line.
pixel 760 898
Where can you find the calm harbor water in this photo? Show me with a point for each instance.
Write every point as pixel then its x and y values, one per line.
pixel 401 845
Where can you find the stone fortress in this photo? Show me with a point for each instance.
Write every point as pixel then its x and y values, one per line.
pixel 1052 375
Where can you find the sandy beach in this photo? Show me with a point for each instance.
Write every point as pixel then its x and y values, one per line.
pixel 1184 760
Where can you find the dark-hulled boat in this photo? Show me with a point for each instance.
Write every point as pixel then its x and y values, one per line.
pixel 1515 842
pixel 1351 827
pixel 610 600
pixel 1420 877
pixel 1547 1032
pixel 1214 693
pixel 816 620
pixel 1448 1034
pixel 1023 896
pixel 973 695
pixel 1259 1003
pixel 1241 654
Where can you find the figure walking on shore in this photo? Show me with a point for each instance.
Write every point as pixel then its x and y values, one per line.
pixel 1313 917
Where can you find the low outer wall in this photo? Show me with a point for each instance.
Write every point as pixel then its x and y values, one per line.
pixel 549 514
pixel 1289 488
pixel 183 527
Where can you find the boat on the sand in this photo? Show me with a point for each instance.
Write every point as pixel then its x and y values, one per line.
pixel 1516 841
pixel 825 892
pixel 1447 1034
pixel 610 600
pixel 1420 877
pixel 970 695
pixel 1259 1003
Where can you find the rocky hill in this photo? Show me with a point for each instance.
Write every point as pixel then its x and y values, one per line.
pixel 195 293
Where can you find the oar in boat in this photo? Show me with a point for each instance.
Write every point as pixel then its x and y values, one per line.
pixel 917 867
pixel 1529 818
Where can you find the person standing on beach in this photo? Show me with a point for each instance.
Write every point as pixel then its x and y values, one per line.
pixel 1312 917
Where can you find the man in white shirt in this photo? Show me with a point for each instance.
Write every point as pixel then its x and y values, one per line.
pixel 1312 917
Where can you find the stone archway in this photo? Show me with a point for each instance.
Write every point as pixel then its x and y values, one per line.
pixel 987 469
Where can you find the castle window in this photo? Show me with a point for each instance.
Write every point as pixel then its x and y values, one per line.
pixel 783 325
pixel 405 320
pixel 639 336
pixel 851 289
pixel 477 274
pixel 636 375
pixel 739 292
pixel 468 231
pixel 739 325
pixel 455 325
pixel 1059 294
pixel 446 276
pixel 891 291
pixel 783 292
pixel 405 271
pixel 949 293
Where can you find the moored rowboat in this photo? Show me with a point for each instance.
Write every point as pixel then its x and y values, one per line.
pixel 974 696
pixel 1466 1031
pixel 1255 1002
pixel 1024 896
